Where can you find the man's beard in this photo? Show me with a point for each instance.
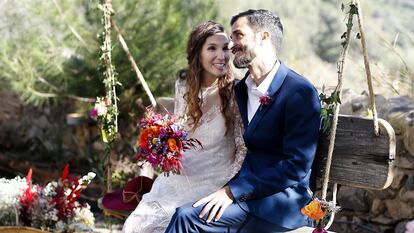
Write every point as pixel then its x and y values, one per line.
pixel 243 61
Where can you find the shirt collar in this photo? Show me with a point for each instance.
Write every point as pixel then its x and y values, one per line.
pixel 264 86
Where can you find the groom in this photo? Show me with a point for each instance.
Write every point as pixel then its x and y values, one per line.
pixel 281 116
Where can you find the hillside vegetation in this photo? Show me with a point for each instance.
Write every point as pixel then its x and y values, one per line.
pixel 312 40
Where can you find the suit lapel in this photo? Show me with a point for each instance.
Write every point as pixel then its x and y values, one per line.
pixel 277 82
pixel 240 91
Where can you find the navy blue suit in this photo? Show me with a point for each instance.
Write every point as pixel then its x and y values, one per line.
pixel 281 140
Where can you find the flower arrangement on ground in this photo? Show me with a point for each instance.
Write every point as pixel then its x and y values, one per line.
pixel 162 141
pixel 50 208
pixel 319 211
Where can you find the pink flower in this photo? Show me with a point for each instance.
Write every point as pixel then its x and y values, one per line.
pixel 93 113
pixel 265 100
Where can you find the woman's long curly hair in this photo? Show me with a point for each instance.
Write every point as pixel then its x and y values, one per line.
pixel 193 76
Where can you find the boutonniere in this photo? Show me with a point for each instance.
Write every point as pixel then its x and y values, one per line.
pixel 265 100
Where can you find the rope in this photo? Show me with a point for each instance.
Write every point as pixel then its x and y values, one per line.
pixel 332 217
pixel 341 65
pixel 367 68
pixel 111 93
pixel 134 65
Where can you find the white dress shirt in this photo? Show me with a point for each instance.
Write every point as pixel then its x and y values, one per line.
pixel 254 92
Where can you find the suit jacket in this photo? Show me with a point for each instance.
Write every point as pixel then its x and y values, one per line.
pixel 281 140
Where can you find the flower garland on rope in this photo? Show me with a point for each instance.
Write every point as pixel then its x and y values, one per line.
pixel 106 108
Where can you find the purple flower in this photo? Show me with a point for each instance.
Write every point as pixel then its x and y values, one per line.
pixel 319 230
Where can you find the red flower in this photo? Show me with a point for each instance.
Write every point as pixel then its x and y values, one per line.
pixel 265 100
pixel 144 137
pixel 65 173
pixel 26 199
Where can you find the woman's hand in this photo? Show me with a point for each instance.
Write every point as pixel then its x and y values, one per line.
pixel 216 203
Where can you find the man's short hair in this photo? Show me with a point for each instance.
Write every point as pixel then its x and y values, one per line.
pixel 264 20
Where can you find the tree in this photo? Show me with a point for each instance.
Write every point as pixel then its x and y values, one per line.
pixel 50 56
pixel 50 49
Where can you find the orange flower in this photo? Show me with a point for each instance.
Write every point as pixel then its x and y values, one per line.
pixel 172 144
pixel 155 129
pixel 313 210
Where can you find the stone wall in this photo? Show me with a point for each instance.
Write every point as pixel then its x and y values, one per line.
pixel 388 210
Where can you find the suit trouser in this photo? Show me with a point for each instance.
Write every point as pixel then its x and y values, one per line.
pixel 233 220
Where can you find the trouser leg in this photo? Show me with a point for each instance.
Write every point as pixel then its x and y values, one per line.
pixel 233 220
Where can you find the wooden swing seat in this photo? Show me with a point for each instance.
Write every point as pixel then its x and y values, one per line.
pixel 360 158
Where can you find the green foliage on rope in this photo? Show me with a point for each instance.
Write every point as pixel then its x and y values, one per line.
pixel 329 102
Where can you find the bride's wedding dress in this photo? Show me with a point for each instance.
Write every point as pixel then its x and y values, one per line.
pixel 205 170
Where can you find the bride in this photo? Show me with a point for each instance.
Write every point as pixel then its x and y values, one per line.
pixel 204 94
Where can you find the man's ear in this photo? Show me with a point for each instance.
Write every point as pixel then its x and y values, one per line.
pixel 264 35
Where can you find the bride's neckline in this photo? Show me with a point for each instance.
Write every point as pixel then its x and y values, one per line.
pixel 213 85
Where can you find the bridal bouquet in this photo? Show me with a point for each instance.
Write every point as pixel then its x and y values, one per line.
pixel 319 211
pixel 162 142
pixel 50 208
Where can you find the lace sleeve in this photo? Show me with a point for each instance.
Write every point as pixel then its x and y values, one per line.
pixel 179 106
pixel 241 149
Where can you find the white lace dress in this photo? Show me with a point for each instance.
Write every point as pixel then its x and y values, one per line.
pixel 205 170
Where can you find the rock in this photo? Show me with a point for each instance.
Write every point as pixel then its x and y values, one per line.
pixel 401 122
pixel 404 160
pixel 409 184
pixel 383 220
pixel 356 223
pixel 399 210
pixel 384 194
pixel 353 104
pixel 384 228
pixel 356 106
pixel 407 195
pixel 352 199
pixel 378 207
pixel 399 179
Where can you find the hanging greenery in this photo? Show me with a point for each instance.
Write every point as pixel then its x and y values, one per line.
pixel 106 108
pixel 330 102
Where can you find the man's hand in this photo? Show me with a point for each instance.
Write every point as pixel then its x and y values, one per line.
pixel 216 203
